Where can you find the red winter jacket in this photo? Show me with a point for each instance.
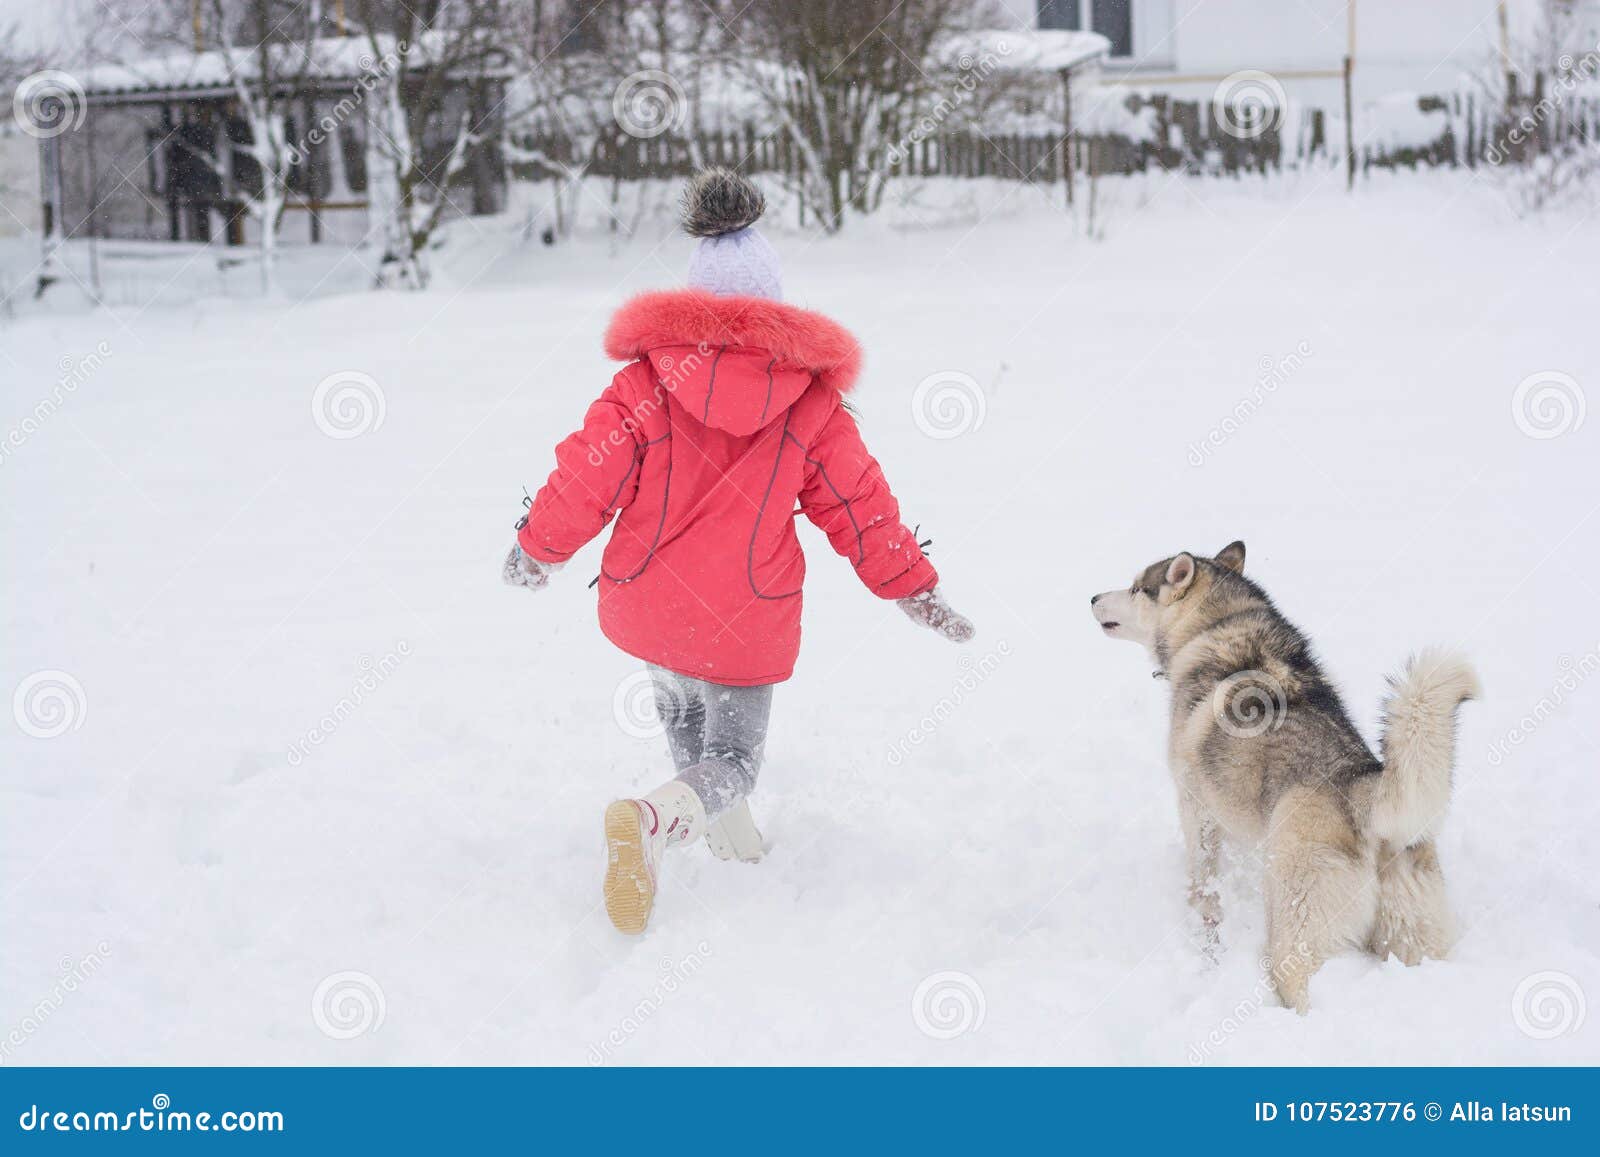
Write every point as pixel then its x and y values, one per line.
pixel 728 414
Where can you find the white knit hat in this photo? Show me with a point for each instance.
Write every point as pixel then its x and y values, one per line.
pixel 732 259
pixel 737 264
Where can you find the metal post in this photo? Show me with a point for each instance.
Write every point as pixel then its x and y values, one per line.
pixel 50 256
pixel 1349 101
pixel 1066 122
pixel 313 164
pixel 94 205
pixel 169 130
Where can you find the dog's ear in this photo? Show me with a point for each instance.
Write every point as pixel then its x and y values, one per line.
pixel 1232 556
pixel 1180 572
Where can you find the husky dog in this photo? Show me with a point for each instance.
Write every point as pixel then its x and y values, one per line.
pixel 1262 752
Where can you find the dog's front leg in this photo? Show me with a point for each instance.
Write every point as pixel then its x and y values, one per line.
pixel 1202 838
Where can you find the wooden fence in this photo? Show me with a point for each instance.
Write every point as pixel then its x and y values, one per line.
pixel 1476 131
pixel 1189 135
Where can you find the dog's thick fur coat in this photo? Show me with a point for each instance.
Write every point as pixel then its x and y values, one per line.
pixel 1262 751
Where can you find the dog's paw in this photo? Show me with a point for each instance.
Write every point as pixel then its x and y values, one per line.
pixel 1295 996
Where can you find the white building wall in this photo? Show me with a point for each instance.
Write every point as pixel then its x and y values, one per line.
pixel 1185 46
pixel 20 205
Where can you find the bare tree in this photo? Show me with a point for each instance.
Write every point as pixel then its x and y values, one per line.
pixel 592 74
pixel 1543 150
pixel 845 79
pixel 283 48
pixel 558 118
pixel 15 61
pixel 440 49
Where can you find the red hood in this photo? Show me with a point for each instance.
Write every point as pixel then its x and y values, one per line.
pixel 733 362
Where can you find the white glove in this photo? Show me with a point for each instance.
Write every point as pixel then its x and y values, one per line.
pixel 523 570
pixel 930 610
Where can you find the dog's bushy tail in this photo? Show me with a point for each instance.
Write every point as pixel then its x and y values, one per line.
pixel 1419 745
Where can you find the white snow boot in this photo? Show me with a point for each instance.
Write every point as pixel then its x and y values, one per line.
pixel 735 836
pixel 638 832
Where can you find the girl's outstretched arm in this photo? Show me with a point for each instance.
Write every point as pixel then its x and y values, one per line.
pixel 596 475
pixel 849 499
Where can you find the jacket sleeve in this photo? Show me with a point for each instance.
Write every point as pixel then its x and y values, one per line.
pixel 596 475
pixel 846 495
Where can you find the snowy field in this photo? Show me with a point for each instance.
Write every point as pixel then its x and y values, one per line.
pixel 331 794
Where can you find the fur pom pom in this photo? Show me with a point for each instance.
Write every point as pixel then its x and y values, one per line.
pixel 719 201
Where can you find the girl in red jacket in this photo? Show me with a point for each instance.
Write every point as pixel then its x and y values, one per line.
pixel 729 412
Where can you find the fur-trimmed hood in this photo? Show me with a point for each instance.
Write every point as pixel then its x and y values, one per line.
pixel 798 338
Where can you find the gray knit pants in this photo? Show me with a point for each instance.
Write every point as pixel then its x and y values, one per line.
pixel 716 734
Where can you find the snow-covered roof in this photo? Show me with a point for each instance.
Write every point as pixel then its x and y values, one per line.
pixel 1398 121
pixel 330 60
pixel 1029 49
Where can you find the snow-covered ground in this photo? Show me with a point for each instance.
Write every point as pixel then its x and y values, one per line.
pixel 331 794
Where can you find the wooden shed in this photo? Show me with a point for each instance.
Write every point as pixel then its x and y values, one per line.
pixel 161 151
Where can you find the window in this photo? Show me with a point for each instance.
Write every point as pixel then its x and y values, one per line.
pixel 1060 14
pixel 1112 19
